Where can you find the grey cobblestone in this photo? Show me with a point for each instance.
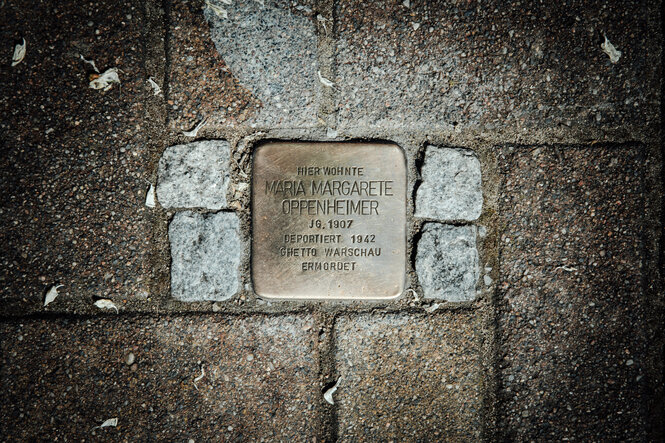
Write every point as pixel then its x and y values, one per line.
pixel 205 251
pixel 451 185
pixel 447 262
pixel 195 175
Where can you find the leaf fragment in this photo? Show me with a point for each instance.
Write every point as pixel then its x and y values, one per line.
pixel 324 81
pixel 111 422
pixel 51 294
pixel 321 19
pixel 609 49
pixel 199 378
pixel 156 90
pixel 218 10
pixel 328 395
pixel 106 80
pixel 150 200
pixel 415 294
pixel 19 53
pixel 90 62
pixel 105 303
pixel 194 132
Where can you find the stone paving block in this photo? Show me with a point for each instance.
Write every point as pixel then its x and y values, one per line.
pixel 201 85
pixel 447 262
pixel 195 175
pixel 572 318
pixel 451 185
pixel 205 254
pixel 408 377
pixel 257 65
pixel 495 64
pixel 73 168
pixel 62 378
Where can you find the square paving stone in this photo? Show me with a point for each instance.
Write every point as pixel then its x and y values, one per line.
pixel 204 378
pixel 495 64
pixel 408 377
pixel 574 352
pixel 257 65
pixel 73 170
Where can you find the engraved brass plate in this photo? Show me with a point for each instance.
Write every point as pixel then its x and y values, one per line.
pixel 329 221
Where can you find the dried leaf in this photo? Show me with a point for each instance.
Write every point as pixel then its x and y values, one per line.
pixel 106 80
pixel 194 132
pixel 218 10
pixel 324 81
pixel 328 395
pixel 609 49
pixel 90 62
pixel 51 294
pixel 111 422
pixel 156 90
pixel 105 303
pixel 431 308
pixel 19 53
pixel 203 373
pixel 323 21
pixel 415 294
pixel 150 197
pixel 199 378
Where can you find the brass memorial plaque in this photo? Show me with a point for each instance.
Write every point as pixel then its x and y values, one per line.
pixel 329 221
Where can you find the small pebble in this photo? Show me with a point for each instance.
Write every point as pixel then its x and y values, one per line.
pixel 130 359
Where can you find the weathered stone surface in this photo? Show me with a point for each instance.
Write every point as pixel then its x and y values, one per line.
pixel 195 175
pixel 271 49
pixel 447 262
pixel 73 167
pixel 62 378
pixel 498 64
pixel 201 85
pixel 409 378
pixel 205 255
pixel 575 353
pixel 451 185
